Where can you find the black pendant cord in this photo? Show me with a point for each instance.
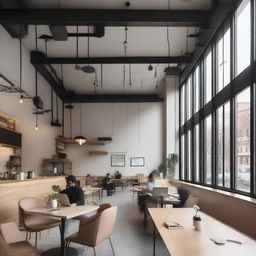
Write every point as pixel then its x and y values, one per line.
pixel 101 75
pixel 125 53
pixel 167 35
pixel 77 42
pixel 52 104
pixel 57 108
pixel 63 118
pixel 88 43
pixel 80 118
pixel 36 85
pixel 124 71
pixel 20 62
pixel 130 74
pixel 187 53
pixel 70 123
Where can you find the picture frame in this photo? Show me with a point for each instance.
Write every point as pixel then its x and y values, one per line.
pixel 60 146
pixel 117 160
pixel 137 161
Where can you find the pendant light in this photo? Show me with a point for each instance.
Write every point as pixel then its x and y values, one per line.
pixel 88 69
pixel 80 139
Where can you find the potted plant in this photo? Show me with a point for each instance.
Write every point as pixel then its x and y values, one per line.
pixel 51 198
pixel 167 168
pixel 9 165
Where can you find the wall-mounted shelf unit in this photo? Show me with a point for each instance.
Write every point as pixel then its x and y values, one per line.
pixel 63 165
pixel 98 152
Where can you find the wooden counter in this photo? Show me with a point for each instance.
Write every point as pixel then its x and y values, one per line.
pixel 12 191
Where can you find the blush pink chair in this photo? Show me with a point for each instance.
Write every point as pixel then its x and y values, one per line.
pixel 95 229
pixel 32 222
pixel 12 243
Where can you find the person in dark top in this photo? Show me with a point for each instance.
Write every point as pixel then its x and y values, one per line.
pixel 118 175
pixel 108 184
pixel 75 193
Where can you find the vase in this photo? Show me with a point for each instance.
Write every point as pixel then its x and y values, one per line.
pixel 161 175
pixel 54 203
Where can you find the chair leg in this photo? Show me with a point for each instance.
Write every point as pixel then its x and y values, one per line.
pixel 111 246
pixel 36 240
pixel 94 250
pixel 29 235
pixel 26 235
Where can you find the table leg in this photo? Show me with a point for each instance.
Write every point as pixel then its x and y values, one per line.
pixel 154 240
pixel 62 238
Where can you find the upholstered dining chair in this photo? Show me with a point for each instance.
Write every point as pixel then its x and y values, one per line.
pixel 32 222
pixel 12 243
pixel 101 226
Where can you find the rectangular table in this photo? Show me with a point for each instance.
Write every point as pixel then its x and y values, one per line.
pixel 64 214
pixel 187 241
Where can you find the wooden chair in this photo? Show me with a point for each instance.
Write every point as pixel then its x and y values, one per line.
pixel 101 226
pixel 32 222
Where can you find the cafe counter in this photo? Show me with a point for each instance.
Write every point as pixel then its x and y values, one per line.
pixel 11 191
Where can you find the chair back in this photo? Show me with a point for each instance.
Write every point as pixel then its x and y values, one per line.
pixel 4 248
pixel 26 204
pixel 107 221
pixel 183 196
pixel 11 233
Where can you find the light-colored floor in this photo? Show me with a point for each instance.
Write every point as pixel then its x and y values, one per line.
pixel 130 237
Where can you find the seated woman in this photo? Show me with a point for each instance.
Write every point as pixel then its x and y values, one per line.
pixel 108 184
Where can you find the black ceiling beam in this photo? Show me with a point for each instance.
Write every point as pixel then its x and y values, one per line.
pixel 106 17
pixel 53 82
pixel 40 58
pixel 14 29
pixel 102 98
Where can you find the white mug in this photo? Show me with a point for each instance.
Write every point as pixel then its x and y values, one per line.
pixel 197 224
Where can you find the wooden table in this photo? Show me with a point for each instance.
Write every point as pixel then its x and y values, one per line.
pixel 187 241
pixel 64 214
pixel 92 191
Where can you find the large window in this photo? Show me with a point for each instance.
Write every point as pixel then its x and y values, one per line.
pixel 183 112
pixel 220 144
pixel 242 125
pixel 243 36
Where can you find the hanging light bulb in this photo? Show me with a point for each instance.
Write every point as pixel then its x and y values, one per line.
pixel 21 99
pixel 36 128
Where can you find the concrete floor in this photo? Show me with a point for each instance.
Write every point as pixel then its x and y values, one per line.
pixel 130 237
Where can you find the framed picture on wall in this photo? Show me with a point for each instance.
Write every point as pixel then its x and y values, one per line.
pixel 137 161
pixel 117 160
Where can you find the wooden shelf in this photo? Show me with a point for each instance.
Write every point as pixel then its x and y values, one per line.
pixel 57 160
pixel 88 142
pixel 98 152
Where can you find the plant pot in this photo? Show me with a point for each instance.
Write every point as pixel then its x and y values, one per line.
pixel 54 203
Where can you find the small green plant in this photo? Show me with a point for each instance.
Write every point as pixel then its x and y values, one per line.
pixel 9 165
pixel 56 189
pixel 168 167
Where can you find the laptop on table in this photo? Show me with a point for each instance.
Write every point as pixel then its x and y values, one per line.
pixel 160 192
pixel 63 199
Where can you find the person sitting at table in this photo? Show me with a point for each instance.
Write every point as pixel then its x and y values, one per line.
pixel 108 184
pixel 76 197
pixel 75 193
pixel 118 175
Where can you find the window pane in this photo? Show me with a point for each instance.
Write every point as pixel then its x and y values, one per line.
pixel 243 141
pixel 189 156
pixel 197 156
pixel 208 77
pixel 208 157
pixel 227 144
pixel 219 146
pixel 243 36
pixel 189 101
pixel 182 157
pixel 223 61
pixel 182 104
pixel 197 90
pixel 226 58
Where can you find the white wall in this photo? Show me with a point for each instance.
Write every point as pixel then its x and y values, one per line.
pixel 36 145
pixel 136 130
